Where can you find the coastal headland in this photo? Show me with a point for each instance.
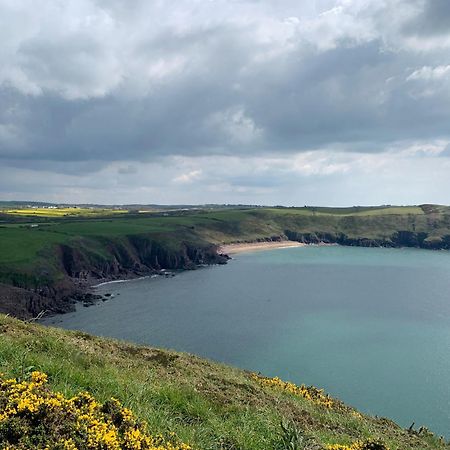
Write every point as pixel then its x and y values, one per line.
pixel 48 261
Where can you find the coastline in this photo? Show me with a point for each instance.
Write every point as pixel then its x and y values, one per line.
pixel 122 280
pixel 88 294
pixel 161 273
pixel 227 249
pixel 232 249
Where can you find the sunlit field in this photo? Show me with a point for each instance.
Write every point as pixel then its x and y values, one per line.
pixel 63 212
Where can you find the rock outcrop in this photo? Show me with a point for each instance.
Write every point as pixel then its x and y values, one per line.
pixel 397 239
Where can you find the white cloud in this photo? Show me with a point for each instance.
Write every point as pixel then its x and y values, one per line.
pixel 427 73
pixel 429 82
pixel 189 177
pixel 428 149
pixel 235 126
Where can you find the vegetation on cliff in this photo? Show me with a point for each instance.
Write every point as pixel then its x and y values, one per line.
pixel 171 398
pixel 43 258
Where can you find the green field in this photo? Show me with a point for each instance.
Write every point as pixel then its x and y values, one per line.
pixel 205 404
pixel 22 246
pixel 355 210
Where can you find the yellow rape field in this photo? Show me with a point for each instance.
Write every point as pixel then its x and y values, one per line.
pixel 62 212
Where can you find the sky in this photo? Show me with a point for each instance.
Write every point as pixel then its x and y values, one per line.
pixel 287 102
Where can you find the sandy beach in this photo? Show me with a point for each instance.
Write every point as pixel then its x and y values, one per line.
pixel 232 249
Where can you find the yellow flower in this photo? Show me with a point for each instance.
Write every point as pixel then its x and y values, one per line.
pixel 358 445
pixel 308 392
pixel 127 415
pixel 83 421
pixel 39 378
pixel 69 444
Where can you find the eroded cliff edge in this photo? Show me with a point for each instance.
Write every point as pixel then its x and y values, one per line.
pixel 64 277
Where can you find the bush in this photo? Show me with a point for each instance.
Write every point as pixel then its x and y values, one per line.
pixel 34 417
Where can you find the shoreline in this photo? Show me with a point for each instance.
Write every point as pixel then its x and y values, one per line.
pixel 232 249
pixel 162 273
pixel 85 290
pixel 227 249
pixel 121 280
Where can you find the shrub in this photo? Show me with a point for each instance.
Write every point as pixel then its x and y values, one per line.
pixel 34 417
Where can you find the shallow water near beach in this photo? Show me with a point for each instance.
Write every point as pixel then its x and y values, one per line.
pixel 370 326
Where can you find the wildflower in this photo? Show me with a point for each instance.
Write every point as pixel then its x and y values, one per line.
pixel 308 392
pixel 80 422
pixel 358 445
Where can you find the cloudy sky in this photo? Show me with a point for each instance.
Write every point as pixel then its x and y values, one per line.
pixel 327 102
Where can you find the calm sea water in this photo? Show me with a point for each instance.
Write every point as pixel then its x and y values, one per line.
pixel 371 326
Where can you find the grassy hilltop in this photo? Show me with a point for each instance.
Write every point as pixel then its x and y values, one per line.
pixel 179 396
pixel 44 252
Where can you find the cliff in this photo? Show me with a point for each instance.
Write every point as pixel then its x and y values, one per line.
pixel 78 264
pixel 398 239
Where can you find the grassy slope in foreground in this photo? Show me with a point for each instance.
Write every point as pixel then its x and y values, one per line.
pixel 207 405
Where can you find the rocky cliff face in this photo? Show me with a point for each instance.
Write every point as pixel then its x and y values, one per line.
pixel 135 256
pixel 81 264
pixel 27 303
pixel 397 239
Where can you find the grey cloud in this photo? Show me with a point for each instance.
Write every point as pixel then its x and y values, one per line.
pixel 127 170
pixel 446 152
pixel 433 18
pixel 301 101
pixel 266 180
pixel 74 67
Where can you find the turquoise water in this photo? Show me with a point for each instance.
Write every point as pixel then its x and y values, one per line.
pixel 371 326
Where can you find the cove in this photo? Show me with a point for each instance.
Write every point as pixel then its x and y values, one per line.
pixel 370 326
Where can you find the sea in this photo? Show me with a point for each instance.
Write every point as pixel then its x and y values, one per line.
pixel 371 326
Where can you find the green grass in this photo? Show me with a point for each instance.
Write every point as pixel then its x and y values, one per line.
pixel 109 228
pixel 351 211
pixel 399 210
pixel 22 245
pixel 208 405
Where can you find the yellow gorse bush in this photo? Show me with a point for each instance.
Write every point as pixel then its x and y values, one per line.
pixel 32 416
pixel 358 445
pixel 309 392
pixel 319 397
